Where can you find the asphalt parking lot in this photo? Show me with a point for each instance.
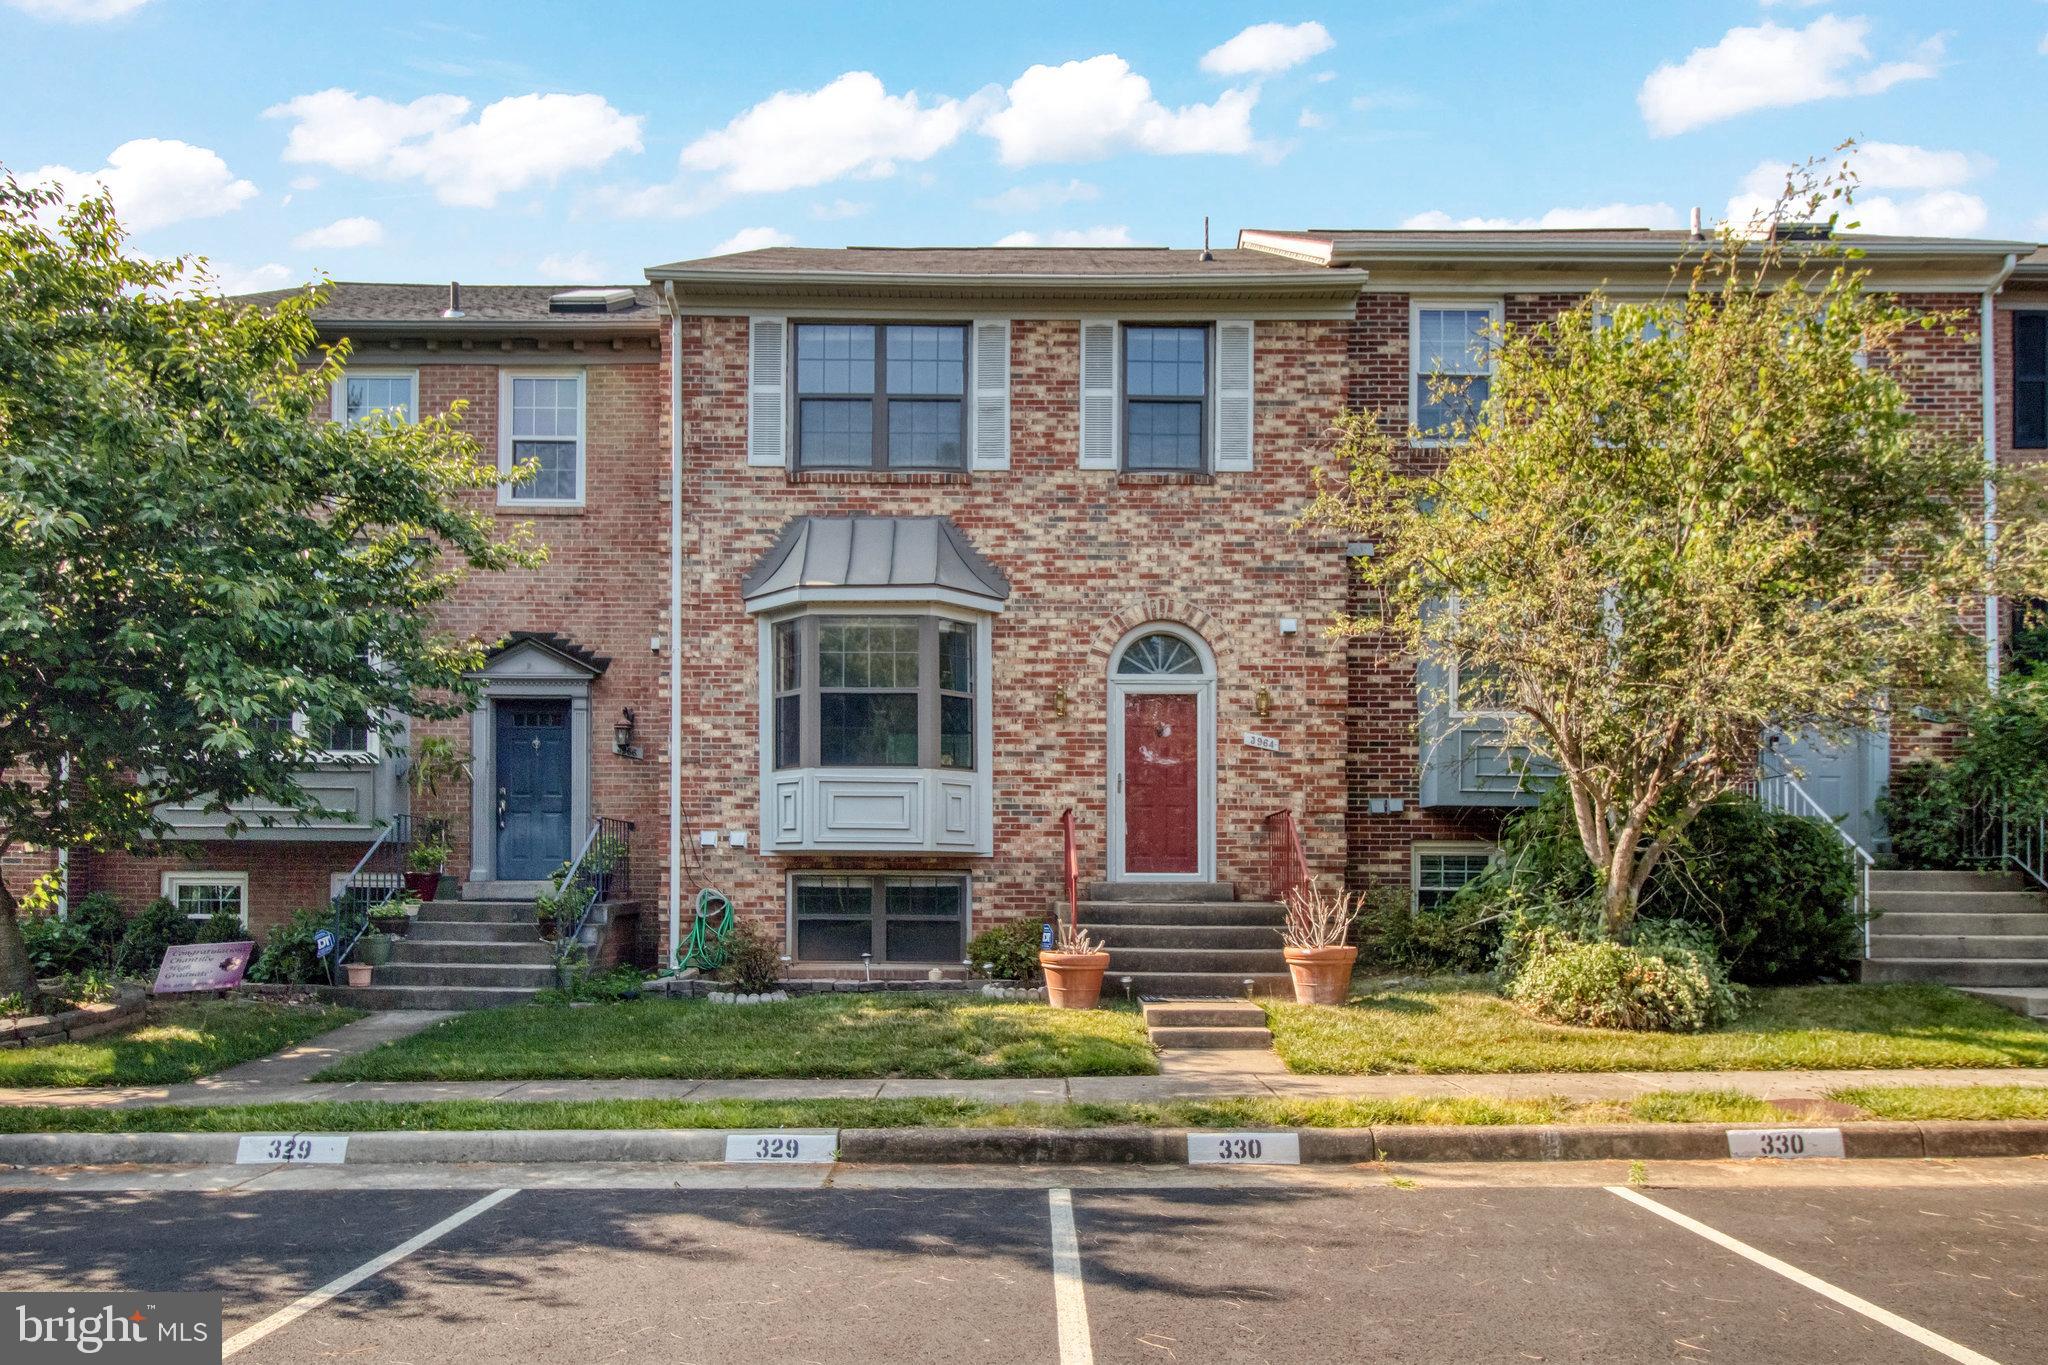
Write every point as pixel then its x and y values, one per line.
pixel 1327 1269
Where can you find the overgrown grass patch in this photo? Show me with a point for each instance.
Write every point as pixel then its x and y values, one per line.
pixel 1915 1102
pixel 831 1036
pixel 1458 1024
pixel 179 1043
pixel 479 1115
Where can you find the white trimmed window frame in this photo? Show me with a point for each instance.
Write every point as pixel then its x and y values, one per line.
pixel 1457 848
pixel 506 436
pixel 173 881
pixel 1494 307
pixel 411 376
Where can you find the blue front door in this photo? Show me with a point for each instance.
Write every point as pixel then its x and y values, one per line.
pixel 533 788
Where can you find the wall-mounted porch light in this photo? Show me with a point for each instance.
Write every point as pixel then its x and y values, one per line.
pixel 622 735
pixel 1263 703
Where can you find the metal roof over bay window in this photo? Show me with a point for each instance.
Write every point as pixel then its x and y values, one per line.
pixel 874 559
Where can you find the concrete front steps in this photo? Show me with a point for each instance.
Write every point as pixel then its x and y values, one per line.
pixel 459 955
pixel 1206 1025
pixel 1186 939
pixel 1982 932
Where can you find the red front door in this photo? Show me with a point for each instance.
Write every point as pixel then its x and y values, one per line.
pixel 1162 783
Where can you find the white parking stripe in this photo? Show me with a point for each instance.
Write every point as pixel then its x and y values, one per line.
pixel 1069 1300
pixel 305 1304
pixel 1912 1331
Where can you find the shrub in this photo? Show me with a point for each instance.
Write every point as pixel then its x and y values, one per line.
pixel 57 947
pixel 608 987
pixel 289 957
pixel 752 966
pixel 89 987
pixel 1942 814
pixel 103 920
pixel 1776 892
pixel 1668 987
pixel 1928 819
pixel 222 926
pixel 1009 951
pixel 143 944
pixel 1461 935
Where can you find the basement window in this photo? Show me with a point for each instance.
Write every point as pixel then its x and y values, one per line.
pixel 890 918
pixel 199 895
pixel 1441 870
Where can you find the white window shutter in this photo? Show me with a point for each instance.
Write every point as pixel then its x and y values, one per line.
pixel 990 440
pixel 1233 396
pixel 1099 424
pixel 767 410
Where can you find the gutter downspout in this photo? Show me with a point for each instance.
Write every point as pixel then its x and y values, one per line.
pixel 675 602
pixel 1987 334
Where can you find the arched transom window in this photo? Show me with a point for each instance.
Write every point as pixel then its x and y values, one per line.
pixel 1159 654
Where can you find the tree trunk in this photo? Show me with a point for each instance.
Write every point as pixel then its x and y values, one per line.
pixel 1618 908
pixel 17 974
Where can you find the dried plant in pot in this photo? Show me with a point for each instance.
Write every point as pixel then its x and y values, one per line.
pixel 1317 943
pixel 1073 969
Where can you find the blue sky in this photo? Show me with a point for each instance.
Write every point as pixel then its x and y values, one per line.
pixel 509 142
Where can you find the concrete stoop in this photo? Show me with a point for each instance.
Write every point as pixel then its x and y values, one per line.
pixel 1982 932
pixel 459 955
pixel 1187 939
pixel 1215 1026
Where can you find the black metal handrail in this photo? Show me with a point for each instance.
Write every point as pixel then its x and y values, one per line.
pixel 604 865
pixel 377 877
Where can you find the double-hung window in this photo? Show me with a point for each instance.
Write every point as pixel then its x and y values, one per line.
pixel 880 691
pixel 1441 870
pixel 880 396
pixel 1450 353
pixel 542 423
pixel 359 395
pixel 200 895
pixel 841 918
pixel 1166 397
pixel 2030 381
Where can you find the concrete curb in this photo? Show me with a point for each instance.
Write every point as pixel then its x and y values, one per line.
pixel 1051 1146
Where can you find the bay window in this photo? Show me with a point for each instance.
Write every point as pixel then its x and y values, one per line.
pixel 874 691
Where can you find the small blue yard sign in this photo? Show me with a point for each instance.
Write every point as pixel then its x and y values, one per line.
pixel 1045 938
pixel 323 942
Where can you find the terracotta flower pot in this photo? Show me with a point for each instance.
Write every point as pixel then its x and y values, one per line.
pixel 1073 981
pixel 359 973
pixel 1322 976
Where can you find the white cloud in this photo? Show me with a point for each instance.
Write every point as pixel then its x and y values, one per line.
pixel 851 127
pixel 305 182
pixel 578 267
pixel 1264 49
pixel 1769 67
pixel 511 144
pixel 1086 110
pixel 341 234
pixel 77 11
pixel 838 209
pixel 1106 235
pixel 1943 210
pixel 753 239
pixel 1310 119
pixel 156 181
pixel 1603 215
pixel 1044 195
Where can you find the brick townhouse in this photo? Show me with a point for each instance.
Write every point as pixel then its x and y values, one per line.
pixel 970 538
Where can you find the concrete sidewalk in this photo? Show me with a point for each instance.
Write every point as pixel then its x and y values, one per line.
pixel 259 1087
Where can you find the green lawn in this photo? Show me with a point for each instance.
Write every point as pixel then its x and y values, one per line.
pixel 181 1042
pixel 1459 1024
pixel 470 1115
pixel 816 1036
pixel 1911 1102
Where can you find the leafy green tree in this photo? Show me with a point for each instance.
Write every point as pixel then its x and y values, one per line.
pixel 191 555
pixel 1674 525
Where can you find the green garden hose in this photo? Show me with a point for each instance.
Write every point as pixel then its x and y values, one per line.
pixel 705 948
